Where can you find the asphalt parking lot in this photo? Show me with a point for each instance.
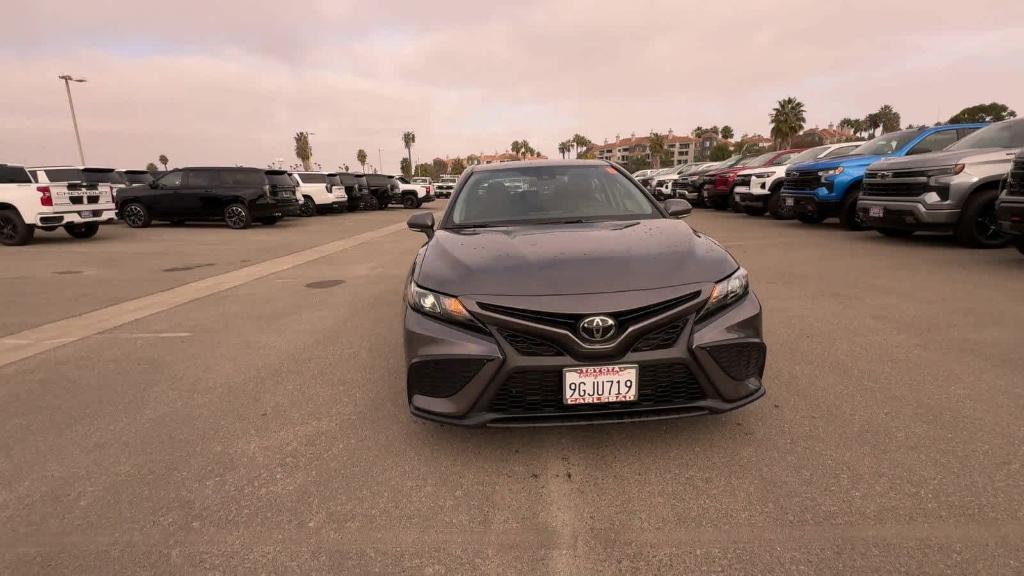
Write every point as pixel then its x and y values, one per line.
pixel 249 416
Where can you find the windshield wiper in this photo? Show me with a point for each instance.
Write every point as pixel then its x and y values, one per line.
pixel 470 226
pixel 568 221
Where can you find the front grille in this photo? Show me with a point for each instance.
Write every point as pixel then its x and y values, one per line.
pixel 743 180
pixel 891 188
pixel 809 181
pixel 660 339
pixel 569 321
pixel 441 378
pixel 1015 185
pixel 528 345
pixel 538 392
pixel 740 361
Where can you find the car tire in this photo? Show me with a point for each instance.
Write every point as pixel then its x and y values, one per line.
pixel 703 200
pixel 308 207
pixel 82 231
pixel 977 226
pixel 270 221
pixel 775 206
pixel 135 215
pixel 237 216
pixel 13 229
pixel 368 203
pixel 719 203
pixel 755 211
pixel 382 203
pixel 734 204
pixel 848 215
pixel 410 201
pixel 810 218
pixel 895 232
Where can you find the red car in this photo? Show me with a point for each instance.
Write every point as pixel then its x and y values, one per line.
pixel 718 192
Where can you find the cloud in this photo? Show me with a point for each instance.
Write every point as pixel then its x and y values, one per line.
pixel 230 82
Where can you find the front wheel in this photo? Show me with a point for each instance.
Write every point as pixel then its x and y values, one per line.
pixel 848 215
pixel 82 231
pixel 382 203
pixel 978 226
pixel 237 216
pixel 136 215
pixel 410 201
pixel 13 229
pixel 308 207
pixel 735 205
pixel 776 208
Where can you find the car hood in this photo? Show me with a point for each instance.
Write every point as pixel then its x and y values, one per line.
pixel 571 259
pixel 845 162
pixel 936 159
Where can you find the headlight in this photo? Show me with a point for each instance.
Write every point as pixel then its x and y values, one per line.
pixel 439 306
pixel 726 293
pixel 947 170
pixel 763 175
pixel 832 172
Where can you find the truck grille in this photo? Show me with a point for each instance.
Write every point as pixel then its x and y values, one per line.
pixel 803 181
pixel 539 392
pixel 528 345
pixel 892 188
pixel 1015 186
pixel 743 180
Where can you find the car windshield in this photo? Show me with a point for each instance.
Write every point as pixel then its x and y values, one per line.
pixel 886 143
pixel 807 155
pixel 549 194
pixel 841 151
pixel 758 160
pixel 1008 134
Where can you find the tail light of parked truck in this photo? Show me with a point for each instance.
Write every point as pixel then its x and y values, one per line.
pixel 45 198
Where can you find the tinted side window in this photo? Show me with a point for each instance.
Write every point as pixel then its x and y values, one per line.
pixel 934 142
pixel 961 132
pixel 242 178
pixel 279 179
pixel 311 178
pixel 171 179
pixel 201 178
pixel 14 175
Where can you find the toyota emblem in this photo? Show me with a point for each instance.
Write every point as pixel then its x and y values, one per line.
pixel 597 328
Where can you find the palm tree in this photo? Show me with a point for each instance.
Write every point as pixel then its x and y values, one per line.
pixel 727 132
pixel 303 151
pixel 787 121
pixel 163 160
pixel 580 143
pixel 656 146
pixel 525 149
pixel 361 158
pixel 563 148
pixel 872 122
pixel 516 147
pixel 472 160
pixel 888 118
pixel 408 139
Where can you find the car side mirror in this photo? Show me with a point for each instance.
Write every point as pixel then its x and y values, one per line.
pixel 677 207
pixel 422 222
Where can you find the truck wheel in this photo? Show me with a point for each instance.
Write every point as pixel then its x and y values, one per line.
pixel 810 218
pixel 237 216
pixel 13 230
pixel 719 203
pixel 895 232
pixel 703 199
pixel 368 203
pixel 308 207
pixel 82 231
pixel 775 206
pixel 977 226
pixel 848 215
pixel 409 201
pixel 382 202
pixel 136 215
pixel 734 204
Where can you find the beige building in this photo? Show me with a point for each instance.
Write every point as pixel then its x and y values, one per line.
pixel 622 150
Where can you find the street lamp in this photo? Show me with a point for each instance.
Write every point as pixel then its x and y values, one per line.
pixel 68 79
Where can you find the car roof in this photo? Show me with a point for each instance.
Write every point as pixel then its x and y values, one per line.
pixel 534 163
pixel 228 168
pixel 65 167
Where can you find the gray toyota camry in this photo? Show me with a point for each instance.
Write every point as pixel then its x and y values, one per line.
pixel 562 292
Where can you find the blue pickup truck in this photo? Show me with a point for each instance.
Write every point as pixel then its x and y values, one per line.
pixel 819 190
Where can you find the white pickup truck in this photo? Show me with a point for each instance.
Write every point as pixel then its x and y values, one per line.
pixel 446 186
pixel 79 206
pixel 412 194
pixel 317 193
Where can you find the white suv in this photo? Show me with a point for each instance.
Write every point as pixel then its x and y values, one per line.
pixel 758 190
pixel 77 201
pixel 317 193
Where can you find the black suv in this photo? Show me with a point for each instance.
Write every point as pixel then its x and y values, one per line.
pixel 238 196
pixel 381 187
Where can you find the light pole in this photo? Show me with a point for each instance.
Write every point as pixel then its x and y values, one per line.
pixel 68 79
pixel 380 158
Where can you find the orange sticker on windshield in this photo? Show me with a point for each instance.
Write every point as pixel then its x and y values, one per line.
pixel 610 169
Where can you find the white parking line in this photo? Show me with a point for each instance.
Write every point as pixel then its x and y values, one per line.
pixel 48 336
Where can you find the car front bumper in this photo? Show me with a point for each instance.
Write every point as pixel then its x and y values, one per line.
pixel 809 204
pixel 750 197
pixel 904 215
pixel 1010 213
pixel 494 379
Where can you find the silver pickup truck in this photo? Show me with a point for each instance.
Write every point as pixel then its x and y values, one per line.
pixel 954 190
pixel 1010 207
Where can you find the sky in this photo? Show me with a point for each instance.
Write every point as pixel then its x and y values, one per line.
pixel 230 82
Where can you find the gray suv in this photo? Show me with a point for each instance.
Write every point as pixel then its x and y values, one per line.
pixel 954 190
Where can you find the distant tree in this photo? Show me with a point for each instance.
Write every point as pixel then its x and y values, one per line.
pixel 580 143
pixel 721 151
pixel 458 166
pixel 564 147
pixel 516 147
pixel 637 163
pixel 991 112
pixel 152 169
pixel 345 166
pixel 472 160
pixel 408 139
pixel 361 158
pixel 656 146
pixel 440 167
pixel 588 154
pixel 727 132
pixel 163 160
pixel 303 150
pixel 846 124
pixel 697 132
pixel 526 151
pixel 424 169
pixel 787 119
pixel 872 122
pixel 406 167
pixel 888 118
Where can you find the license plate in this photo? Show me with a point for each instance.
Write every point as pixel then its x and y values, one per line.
pixel 89 214
pixel 599 384
pixel 741 189
pixel 876 211
pixel 789 201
